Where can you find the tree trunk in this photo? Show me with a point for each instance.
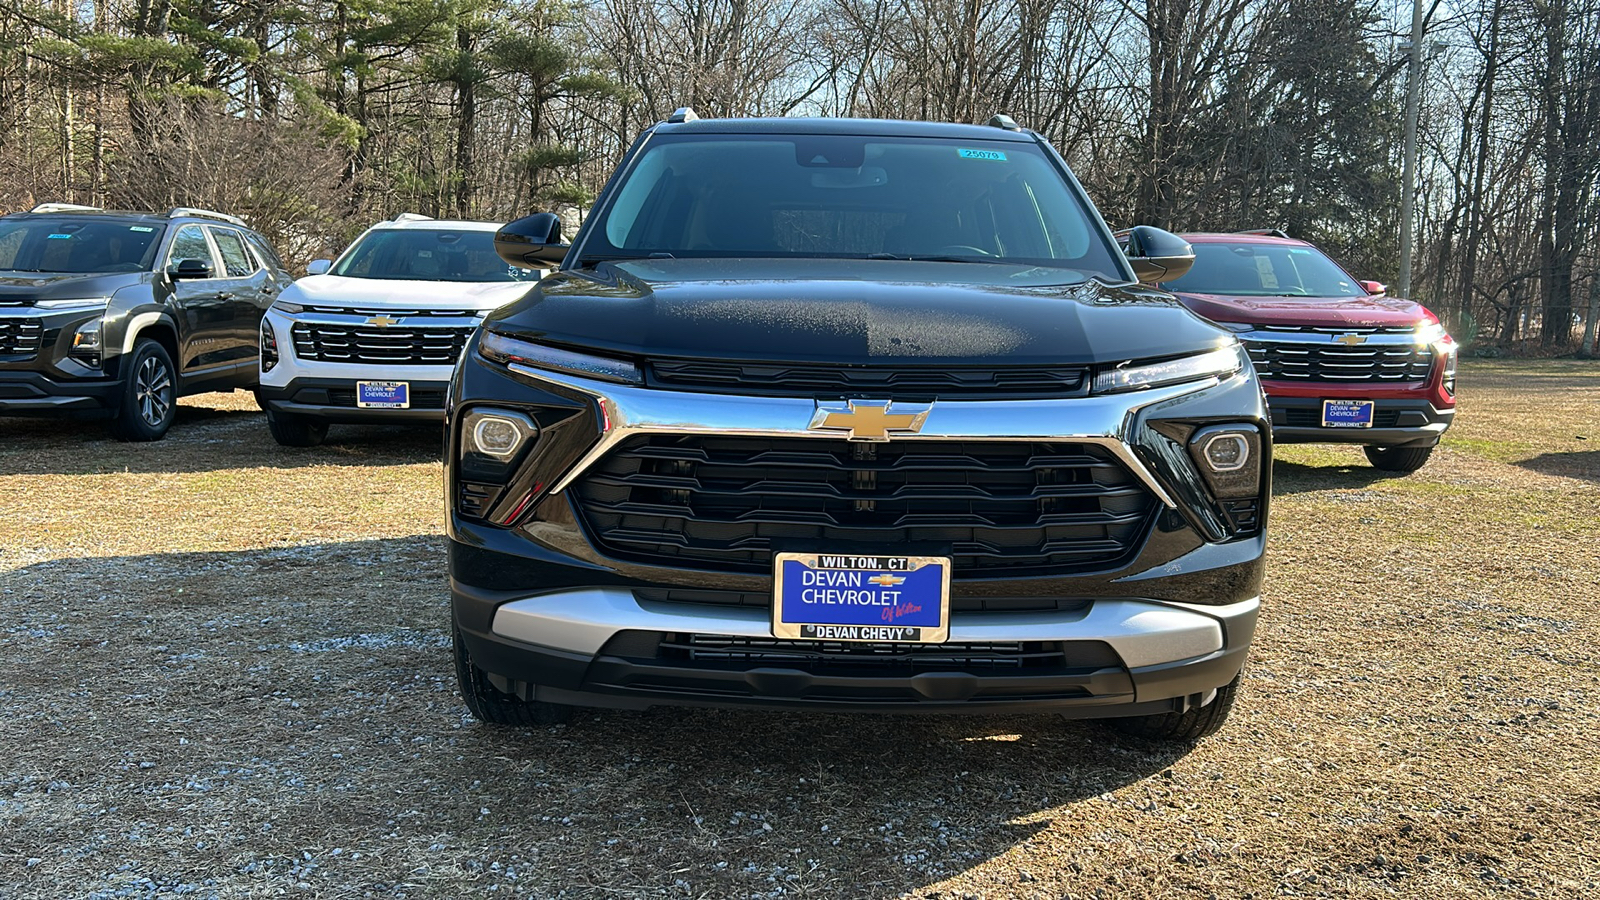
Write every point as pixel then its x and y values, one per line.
pixel 467 112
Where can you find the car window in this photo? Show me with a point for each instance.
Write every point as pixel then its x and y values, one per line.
pixel 1265 270
pixel 426 254
pixel 264 251
pixel 236 260
pixel 190 243
pixel 77 245
pixel 851 197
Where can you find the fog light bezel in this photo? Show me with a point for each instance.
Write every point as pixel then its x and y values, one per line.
pixel 1238 482
pixel 475 418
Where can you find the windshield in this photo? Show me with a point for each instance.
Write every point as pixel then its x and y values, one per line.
pixel 77 245
pixel 823 196
pixel 1265 270
pixel 414 254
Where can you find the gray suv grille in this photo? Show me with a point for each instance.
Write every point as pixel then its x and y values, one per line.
pixel 20 336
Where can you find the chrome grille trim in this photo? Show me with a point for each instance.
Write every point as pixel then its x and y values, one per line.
pixel 1103 420
pixel 1385 355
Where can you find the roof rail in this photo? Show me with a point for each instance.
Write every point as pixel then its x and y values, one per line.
pixel 411 217
pixel 1269 232
pixel 177 211
pixel 683 114
pixel 64 207
pixel 1000 120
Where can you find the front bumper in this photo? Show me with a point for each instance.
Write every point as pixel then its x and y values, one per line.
pixel 24 393
pixel 333 400
pixel 1397 423
pixel 607 647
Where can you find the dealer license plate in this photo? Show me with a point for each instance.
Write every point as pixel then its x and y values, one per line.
pixel 823 597
pixel 383 394
pixel 1347 414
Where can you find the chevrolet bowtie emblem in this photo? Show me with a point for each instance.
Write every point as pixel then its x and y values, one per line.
pixel 1350 340
pixel 886 580
pixel 869 420
pixel 382 321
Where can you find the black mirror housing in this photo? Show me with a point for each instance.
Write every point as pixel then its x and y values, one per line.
pixel 190 268
pixel 531 242
pixel 1157 255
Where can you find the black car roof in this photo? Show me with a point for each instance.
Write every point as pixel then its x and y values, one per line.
pixel 860 127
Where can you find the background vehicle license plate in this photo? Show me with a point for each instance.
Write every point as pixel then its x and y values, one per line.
pixel 1347 414
pixel 824 597
pixel 383 394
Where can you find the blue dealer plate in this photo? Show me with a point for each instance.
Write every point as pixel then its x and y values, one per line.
pixel 1347 414
pixel 383 394
pixel 822 597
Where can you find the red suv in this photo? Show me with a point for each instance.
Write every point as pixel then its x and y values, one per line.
pixel 1340 360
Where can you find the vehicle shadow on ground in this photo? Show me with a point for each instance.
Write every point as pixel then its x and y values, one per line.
pixel 202 439
pixel 1583 464
pixel 1298 478
pixel 306 695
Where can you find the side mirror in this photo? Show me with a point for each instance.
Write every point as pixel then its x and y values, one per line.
pixel 531 241
pixel 319 266
pixel 187 269
pixel 1157 255
pixel 1374 287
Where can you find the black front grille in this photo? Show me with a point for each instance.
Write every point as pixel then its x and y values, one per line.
pixel 714 649
pixel 729 503
pixel 763 600
pixel 385 346
pixel 1312 418
pixel 783 379
pixel 20 336
pixel 1336 362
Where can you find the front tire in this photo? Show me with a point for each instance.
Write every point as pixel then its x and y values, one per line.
pixel 492 706
pixel 1184 727
pixel 293 430
pixel 149 394
pixel 1398 459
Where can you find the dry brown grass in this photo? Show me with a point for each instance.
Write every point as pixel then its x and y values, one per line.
pixel 223 673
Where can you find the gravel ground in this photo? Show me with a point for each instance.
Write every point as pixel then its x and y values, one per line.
pixel 224 673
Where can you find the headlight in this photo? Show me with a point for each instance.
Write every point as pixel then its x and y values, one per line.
pixel 1218 363
pixel 86 343
pixel 1236 327
pixel 1428 332
pixel 95 303
pixel 505 350
pixel 285 306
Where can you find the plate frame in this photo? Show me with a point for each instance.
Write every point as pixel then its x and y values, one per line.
pixel 369 405
pixel 1368 424
pixel 791 630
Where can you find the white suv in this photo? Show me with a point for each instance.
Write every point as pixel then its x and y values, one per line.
pixel 374 335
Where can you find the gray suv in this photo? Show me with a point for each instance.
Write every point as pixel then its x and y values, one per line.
pixel 115 315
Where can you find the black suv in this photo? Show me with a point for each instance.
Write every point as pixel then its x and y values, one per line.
pixel 853 415
pixel 117 314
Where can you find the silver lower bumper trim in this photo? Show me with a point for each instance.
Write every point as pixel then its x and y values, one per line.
pixel 1143 632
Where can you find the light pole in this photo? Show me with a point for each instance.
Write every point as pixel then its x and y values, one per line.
pixel 1408 173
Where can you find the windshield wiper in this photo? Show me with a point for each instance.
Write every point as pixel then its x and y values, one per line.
pixel 919 258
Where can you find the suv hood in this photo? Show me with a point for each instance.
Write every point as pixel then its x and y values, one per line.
pixel 22 288
pixel 1319 312
pixel 853 311
pixel 338 290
